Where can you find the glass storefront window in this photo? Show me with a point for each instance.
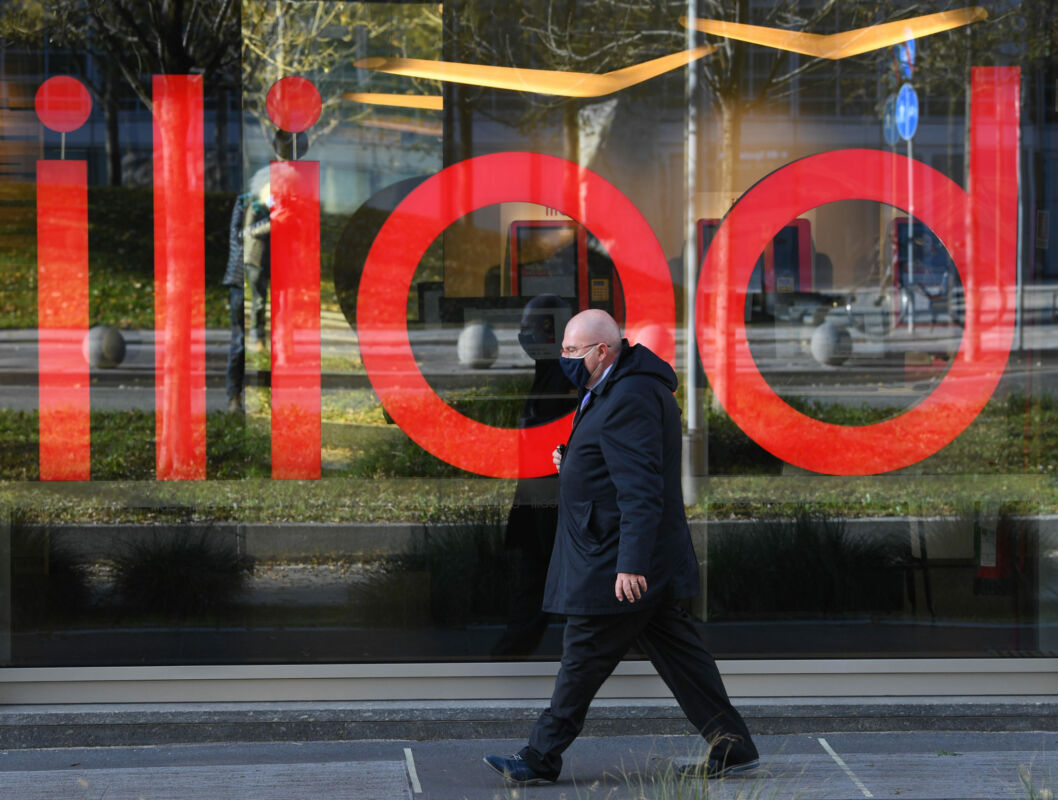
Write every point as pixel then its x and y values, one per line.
pixel 282 285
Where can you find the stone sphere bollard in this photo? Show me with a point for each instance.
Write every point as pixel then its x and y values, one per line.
pixel 478 346
pixel 831 344
pixel 103 347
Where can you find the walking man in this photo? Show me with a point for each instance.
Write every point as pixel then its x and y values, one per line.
pixel 623 555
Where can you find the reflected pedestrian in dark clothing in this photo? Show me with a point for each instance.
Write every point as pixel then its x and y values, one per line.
pixel 533 517
pixel 623 555
pixel 256 259
pixel 248 259
pixel 234 279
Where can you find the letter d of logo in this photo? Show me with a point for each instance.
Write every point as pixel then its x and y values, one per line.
pixel 979 229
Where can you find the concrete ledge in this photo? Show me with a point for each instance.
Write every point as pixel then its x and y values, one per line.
pixel 293 540
pixel 24 727
pixel 411 684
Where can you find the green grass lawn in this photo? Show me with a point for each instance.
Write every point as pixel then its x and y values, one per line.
pixel 121 256
pixel 373 471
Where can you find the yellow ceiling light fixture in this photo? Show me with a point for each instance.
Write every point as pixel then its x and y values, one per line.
pixel 405 126
pixel 538 81
pixel 841 45
pixel 429 102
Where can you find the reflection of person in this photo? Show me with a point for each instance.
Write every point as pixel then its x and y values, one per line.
pixel 256 230
pixel 233 279
pixel 248 254
pixel 623 555
pixel 534 515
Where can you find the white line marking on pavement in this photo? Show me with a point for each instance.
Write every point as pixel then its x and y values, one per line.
pixel 410 761
pixel 844 766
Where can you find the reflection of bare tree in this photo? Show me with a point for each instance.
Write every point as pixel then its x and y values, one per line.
pixel 320 40
pixel 136 39
pixel 602 35
pixel 744 78
pixel 597 36
pixel 1016 33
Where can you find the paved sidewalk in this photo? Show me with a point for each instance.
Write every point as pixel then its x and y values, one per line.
pixel 130 724
pixel 917 764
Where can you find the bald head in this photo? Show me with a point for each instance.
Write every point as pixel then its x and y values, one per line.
pixel 594 336
pixel 593 325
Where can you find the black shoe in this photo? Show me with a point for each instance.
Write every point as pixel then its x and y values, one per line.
pixel 715 768
pixel 515 770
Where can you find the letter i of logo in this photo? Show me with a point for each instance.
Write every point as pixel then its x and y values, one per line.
pixel 63 105
pixel 294 105
pixel 179 278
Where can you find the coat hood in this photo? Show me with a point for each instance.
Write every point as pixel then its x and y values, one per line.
pixel 639 360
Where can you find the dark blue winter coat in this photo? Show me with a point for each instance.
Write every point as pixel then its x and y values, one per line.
pixel 620 497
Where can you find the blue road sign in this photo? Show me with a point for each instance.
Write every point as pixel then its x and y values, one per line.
pixel 905 56
pixel 892 136
pixel 906 112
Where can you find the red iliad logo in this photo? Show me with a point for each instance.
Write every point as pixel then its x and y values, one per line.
pixel 978 227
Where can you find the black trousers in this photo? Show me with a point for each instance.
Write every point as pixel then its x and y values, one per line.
pixel 236 371
pixel 593 646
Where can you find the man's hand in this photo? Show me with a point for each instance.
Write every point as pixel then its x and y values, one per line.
pixel 556 456
pixel 630 587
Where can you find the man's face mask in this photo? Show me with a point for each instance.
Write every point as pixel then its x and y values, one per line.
pixel 538 344
pixel 575 369
pixel 537 333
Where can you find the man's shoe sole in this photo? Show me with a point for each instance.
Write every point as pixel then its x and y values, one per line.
pixel 510 779
pixel 703 771
pixel 736 769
